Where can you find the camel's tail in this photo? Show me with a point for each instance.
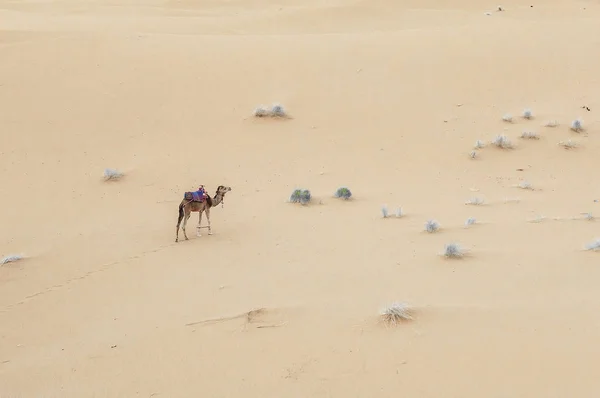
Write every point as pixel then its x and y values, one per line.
pixel 180 214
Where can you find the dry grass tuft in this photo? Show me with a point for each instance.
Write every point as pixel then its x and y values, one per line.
pixel 432 226
pixel 502 142
pixel 474 201
pixel 11 258
pixel 396 313
pixel 112 174
pixel 569 144
pixel 453 250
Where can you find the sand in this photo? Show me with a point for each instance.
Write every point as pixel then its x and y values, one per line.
pixel 385 97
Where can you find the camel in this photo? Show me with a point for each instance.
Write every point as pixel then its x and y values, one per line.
pixel 187 206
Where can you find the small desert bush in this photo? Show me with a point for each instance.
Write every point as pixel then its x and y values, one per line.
pixel 502 141
pixel 537 219
pixel 399 212
pixel 594 245
pixel 432 226
pixel 569 144
pixel 301 196
pixel 584 216
pixel 525 185
pixel 384 211
pixel 530 135
pixel 112 174
pixel 11 259
pixel 473 155
pixel 470 221
pixel 277 110
pixel 453 250
pixel 527 114
pixel 261 111
pixel 588 217
pixel 551 123
pixel 474 202
pixel 343 193
pixel 507 118
pixel 396 313
pixel 479 144
pixel 577 125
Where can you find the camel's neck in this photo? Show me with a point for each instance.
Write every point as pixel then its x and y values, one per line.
pixel 217 199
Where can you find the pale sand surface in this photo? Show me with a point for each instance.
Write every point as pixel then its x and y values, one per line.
pixel 164 90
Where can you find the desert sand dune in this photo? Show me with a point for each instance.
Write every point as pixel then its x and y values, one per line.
pixel 387 98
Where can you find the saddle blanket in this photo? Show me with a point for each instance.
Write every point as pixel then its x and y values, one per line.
pixel 194 196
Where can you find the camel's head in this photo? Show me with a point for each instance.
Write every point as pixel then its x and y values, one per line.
pixel 222 190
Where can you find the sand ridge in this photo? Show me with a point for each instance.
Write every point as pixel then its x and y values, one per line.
pixel 388 99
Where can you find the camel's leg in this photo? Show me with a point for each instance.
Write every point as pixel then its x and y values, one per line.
pixel 208 219
pixel 179 218
pixel 198 228
pixel 185 220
